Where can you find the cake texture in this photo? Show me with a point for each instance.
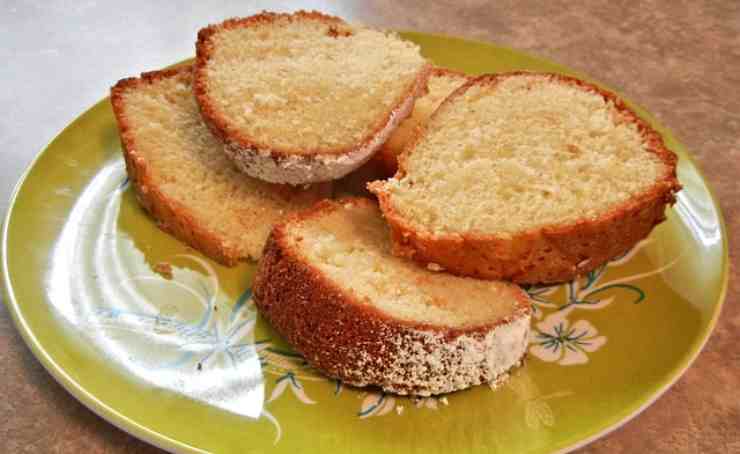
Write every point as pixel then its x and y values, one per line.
pixel 328 283
pixel 528 177
pixel 442 82
pixel 304 97
pixel 182 177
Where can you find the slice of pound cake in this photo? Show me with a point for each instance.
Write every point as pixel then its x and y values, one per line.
pixel 304 97
pixel 329 284
pixel 442 82
pixel 182 178
pixel 528 177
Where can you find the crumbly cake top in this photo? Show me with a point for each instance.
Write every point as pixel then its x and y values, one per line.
pixel 522 153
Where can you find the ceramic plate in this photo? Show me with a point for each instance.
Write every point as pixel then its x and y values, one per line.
pixel 182 359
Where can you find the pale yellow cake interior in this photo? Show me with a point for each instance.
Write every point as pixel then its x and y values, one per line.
pixel 525 153
pixel 189 167
pixel 351 246
pixel 441 84
pixel 308 86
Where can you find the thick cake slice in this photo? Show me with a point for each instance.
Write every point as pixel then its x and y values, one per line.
pixel 328 283
pixel 304 97
pixel 528 177
pixel 442 82
pixel 182 178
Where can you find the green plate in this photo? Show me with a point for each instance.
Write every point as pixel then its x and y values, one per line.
pixel 185 362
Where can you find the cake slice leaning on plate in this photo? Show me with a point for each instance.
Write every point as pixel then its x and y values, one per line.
pixel 528 177
pixel 328 283
pixel 182 178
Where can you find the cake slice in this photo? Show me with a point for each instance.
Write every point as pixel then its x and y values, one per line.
pixel 442 82
pixel 182 178
pixel 329 284
pixel 528 177
pixel 304 97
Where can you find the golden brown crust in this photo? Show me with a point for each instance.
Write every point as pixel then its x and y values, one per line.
pixel 553 253
pixel 327 325
pixel 239 142
pixel 386 157
pixel 171 216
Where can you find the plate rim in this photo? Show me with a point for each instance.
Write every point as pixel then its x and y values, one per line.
pixel 162 441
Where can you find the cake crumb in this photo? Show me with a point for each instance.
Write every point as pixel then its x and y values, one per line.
pixel 164 269
pixel 444 400
pixel 583 263
pixel 501 379
pixel 434 267
pixel 399 409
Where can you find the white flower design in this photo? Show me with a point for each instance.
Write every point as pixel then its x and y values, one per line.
pixel 380 403
pixel 555 340
pixel 537 296
pixel 223 344
pixel 290 380
pixel 219 337
pixel 278 362
pixel 290 368
pixel 431 403
pixel 537 411
pixel 376 404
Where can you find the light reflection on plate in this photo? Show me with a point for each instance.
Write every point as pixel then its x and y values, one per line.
pixel 104 289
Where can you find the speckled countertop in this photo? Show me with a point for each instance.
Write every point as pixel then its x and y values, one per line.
pixel 680 59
